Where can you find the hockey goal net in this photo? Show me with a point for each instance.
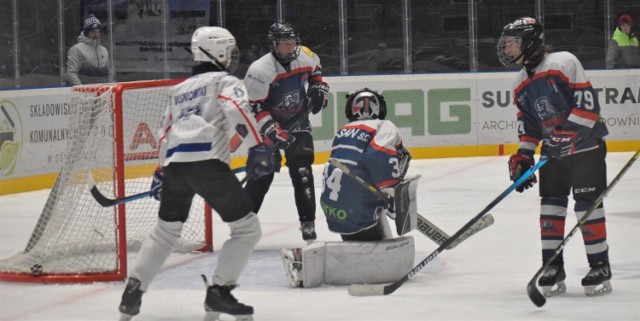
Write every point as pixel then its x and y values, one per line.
pixel 112 137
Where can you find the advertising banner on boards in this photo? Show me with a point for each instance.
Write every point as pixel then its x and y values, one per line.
pixel 430 110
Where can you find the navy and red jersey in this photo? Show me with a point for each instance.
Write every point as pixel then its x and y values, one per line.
pixel 557 95
pixel 370 149
pixel 277 91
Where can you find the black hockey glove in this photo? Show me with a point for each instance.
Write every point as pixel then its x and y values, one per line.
pixel 561 143
pixel 260 161
pixel 156 184
pixel 318 94
pixel 518 164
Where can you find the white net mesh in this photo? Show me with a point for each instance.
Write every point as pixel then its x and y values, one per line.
pixel 76 235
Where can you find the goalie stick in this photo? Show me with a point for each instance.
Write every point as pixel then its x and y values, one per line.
pixel 425 227
pixel 107 202
pixel 534 294
pixel 381 289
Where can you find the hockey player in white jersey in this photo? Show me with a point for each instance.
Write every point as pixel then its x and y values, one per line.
pixel 207 118
pixel 371 147
pixel 282 84
pixel 558 106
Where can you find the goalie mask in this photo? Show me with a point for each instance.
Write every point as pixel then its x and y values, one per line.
pixel 525 33
pixel 216 45
pixel 281 32
pixel 365 104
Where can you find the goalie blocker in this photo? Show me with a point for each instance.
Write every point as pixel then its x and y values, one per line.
pixel 345 263
pixel 405 205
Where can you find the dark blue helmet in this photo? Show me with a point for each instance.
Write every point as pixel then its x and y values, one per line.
pixel 280 32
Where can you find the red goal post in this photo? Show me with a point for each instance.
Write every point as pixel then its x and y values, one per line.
pixel 112 136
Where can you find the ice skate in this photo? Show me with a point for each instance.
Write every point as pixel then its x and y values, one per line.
pixel 292 262
pixel 308 230
pixel 552 280
pixel 219 301
pixel 597 281
pixel 131 300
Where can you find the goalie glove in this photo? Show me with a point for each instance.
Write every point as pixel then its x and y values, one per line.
pixel 518 164
pixel 318 95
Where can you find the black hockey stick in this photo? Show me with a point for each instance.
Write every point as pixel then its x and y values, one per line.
pixel 381 289
pixel 534 294
pixel 425 227
pixel 107 202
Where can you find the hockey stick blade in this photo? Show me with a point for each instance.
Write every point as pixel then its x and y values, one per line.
pixel 532 290
pixel 439 236
pixel 381 289
pixel 478 226
pixel 108 202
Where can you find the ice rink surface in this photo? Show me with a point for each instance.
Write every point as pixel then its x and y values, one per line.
pixel 484 278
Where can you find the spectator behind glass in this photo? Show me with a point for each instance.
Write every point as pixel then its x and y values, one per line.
pixel 88 60
pixel 623 50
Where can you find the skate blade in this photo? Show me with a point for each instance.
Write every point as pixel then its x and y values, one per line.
pixel 557 289
pixel 218 316
pixel 600 289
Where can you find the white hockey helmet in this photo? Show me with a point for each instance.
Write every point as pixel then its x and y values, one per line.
pixel 216 45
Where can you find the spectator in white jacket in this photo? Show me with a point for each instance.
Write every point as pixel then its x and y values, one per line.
pixel 88 60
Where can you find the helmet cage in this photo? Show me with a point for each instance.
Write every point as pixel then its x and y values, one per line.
pixel 280 32
pixel 365 104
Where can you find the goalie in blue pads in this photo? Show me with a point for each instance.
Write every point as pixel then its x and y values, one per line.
pixel 371 147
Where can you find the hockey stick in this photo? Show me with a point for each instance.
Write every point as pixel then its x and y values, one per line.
pixel 534 294
pixel 107 202
pixel 425 227
pixel 381 289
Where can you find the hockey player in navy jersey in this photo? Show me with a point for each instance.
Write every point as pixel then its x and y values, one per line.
pixel 207 118
pixel 281 85
pixel 558 107
pixel 371 147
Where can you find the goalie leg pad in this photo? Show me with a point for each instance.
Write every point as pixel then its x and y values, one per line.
pixel 344 263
